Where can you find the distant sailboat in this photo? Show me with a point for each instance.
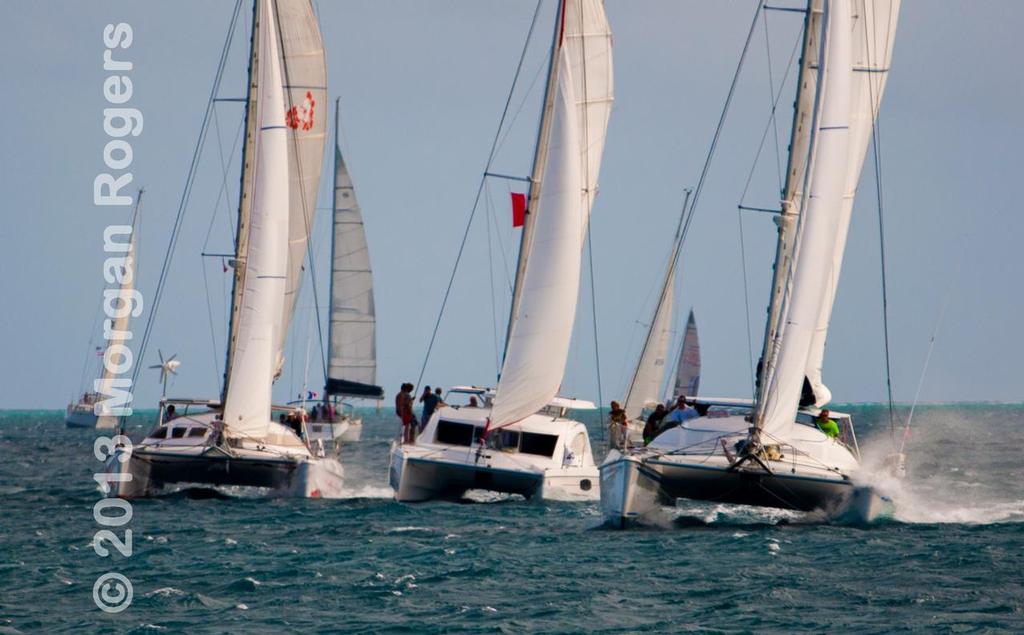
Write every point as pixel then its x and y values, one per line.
pixel 90 410
pixel 237 441
pixel 352 332
pixel 771 452
pixel 520 439
pixel 686 379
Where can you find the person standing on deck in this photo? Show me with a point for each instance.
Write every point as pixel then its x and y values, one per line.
pixel 430 402
pixel 618 426
pixel 403 408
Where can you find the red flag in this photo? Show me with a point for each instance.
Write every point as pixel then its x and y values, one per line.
pixel 518 209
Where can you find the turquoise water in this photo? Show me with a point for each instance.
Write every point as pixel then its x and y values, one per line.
pixel 952 560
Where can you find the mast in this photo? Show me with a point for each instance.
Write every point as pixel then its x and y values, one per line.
pixel 540 156
pixel 244 197
pixel 792 194
pixel 649 373
pixel 330 283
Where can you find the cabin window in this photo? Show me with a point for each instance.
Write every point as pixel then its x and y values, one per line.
pixel 540 444
pixel 177 433
pixel 159 433
pixel 452 433
pixel 196 432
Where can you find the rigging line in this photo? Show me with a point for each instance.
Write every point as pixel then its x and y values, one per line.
pixel 185 196
pixel 490 280
pixel 721 122
pixel 876 152
pixel 497 233
pixel 751 368
pixel 213 337
pixel 479 193
pixel 597 347
pixel 771 96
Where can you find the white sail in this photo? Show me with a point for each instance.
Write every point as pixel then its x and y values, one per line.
pixel 547 283
pixel 687 375
pixel 250 375
pixel 810 274
pixel 645 388
pixel 352 363
pixel 304 79
pixel 873 32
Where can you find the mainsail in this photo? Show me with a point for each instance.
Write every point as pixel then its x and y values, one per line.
pixel 251 372
pixel 303 77
pixel 809 275
pixel 873 31
pixel 352 363
pixel 566 167
pixel 687 375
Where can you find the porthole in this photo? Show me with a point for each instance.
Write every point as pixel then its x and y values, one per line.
pixel 585 485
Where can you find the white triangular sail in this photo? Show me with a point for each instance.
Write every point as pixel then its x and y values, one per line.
pixel 547 284
pixel 251 372
pixel 872 35
pixel 352 363
pixel 818 226
pixel 687 375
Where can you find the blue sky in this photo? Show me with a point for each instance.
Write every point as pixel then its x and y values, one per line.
pixel 422 87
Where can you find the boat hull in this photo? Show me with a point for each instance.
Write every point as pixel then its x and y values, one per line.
pixel 149 472
pixel 79 418
pixel 417 477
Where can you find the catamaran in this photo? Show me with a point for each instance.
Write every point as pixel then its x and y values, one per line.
pixel 352 331
pixel 769 451
pixel 90 410
pixel 519 437
pixel 235 440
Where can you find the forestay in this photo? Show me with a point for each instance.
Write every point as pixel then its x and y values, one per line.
pixel 250 375
pixel 544 304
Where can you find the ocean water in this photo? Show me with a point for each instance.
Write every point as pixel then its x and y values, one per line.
pixel 951 561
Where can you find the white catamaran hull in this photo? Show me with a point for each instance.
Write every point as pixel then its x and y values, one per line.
pixel 813 474
pixel 430 468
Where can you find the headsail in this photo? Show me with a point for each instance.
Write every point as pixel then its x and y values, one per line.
pixel 873 32
pixel 818 225
pixel 564 185
pixel 352 363
pixel 251 372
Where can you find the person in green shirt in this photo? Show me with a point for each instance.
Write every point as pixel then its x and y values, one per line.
pixel 826 425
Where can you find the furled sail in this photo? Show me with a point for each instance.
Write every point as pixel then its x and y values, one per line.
pixel 251 372
pixel 818 225
pixel 872 35
pixel 304 79
pixel 352 363
pixel 566 170
pixel 687 376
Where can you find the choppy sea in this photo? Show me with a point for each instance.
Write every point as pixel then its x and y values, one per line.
pixel 952 560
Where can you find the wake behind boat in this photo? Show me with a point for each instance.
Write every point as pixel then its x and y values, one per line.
pixel 784 449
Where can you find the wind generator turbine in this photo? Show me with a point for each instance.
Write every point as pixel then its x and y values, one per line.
pixel 167 367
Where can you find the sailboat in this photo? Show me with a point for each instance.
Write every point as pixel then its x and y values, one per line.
pixel 90 410
pixel 235 441
pixel 352 331
pixel 770 452
pixel 518 438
